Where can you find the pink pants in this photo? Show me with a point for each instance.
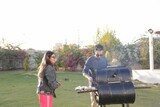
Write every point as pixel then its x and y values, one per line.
pixel 45 100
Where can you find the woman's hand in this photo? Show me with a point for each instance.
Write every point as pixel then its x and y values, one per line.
pixel 59 84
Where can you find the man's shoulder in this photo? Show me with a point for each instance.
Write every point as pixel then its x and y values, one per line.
pixel 104 57
pixel 91 58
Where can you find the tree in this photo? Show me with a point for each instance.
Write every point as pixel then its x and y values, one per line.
pixel 156 53
pixel 111 44
pixel 26 62
pixel 143 46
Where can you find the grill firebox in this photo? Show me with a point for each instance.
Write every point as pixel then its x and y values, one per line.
pixel 113 85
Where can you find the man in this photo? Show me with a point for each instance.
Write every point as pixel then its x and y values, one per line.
pixel 93 64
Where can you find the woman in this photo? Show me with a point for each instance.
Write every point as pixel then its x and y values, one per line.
pixel 47 82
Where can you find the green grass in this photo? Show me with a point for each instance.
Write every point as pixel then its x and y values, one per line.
pixel 18 89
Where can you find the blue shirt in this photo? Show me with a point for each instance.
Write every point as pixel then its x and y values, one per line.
pixel 94 64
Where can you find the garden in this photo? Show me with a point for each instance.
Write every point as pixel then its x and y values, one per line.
pixel 18 71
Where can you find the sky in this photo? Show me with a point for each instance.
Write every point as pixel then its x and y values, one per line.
pixel 40 24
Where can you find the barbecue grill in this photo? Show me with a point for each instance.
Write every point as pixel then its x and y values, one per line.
pixel 113 86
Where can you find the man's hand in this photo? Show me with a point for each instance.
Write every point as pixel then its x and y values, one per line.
pixel 90 79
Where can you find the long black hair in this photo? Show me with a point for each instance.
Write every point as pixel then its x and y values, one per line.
pixel 45 61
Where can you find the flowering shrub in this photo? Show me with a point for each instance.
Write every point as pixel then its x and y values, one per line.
pixel 70 57
pixel 77 57
pixel 11 59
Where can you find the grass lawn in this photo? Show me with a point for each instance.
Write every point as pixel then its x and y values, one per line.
pixel 18 89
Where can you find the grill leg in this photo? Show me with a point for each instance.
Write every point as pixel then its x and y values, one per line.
pixel 123 105
pixel 127 105
pixel 102 106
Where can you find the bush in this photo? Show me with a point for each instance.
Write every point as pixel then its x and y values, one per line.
pixel 26 62
pixel 11 59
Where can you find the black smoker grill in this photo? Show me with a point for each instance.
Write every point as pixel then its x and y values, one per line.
pixel 113 86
